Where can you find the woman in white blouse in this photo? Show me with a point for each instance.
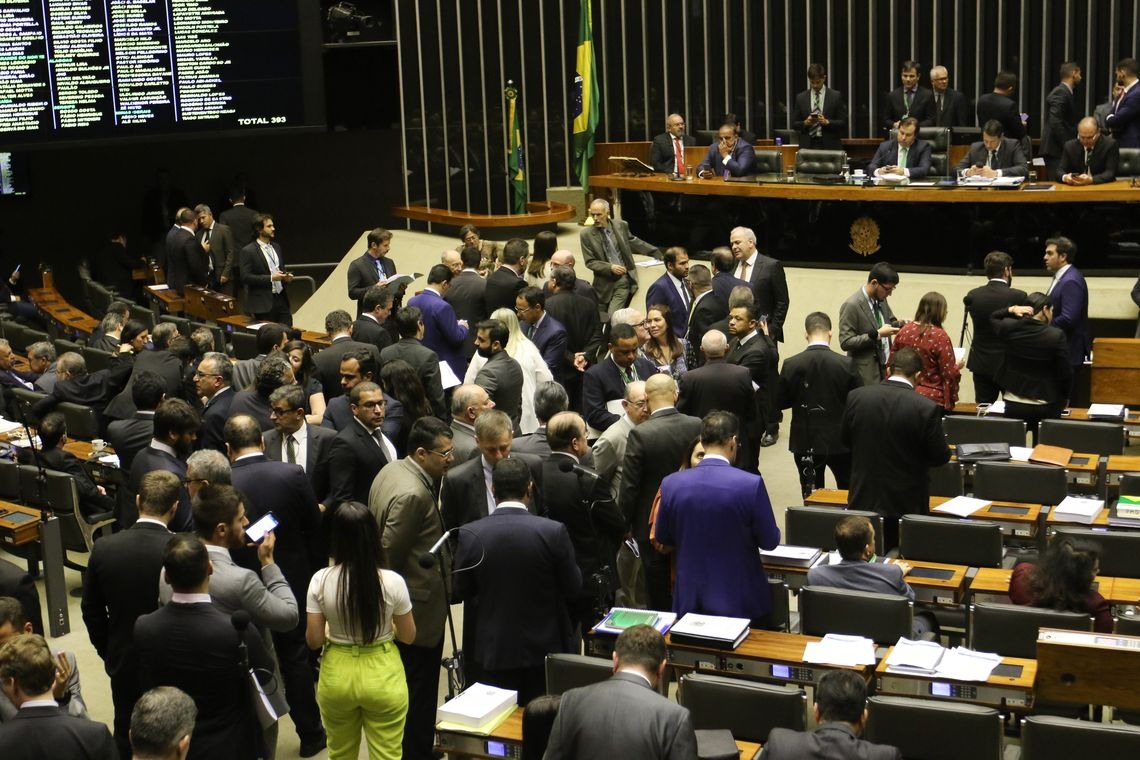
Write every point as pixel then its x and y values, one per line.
pixel 534 369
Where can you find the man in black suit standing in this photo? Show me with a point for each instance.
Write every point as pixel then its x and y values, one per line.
pixel 175 428
pixel 130 436
pixel 717 384
pixel 654 449
pixel 505 282
pixel 1091 158
pixel 999 105
pixel 820 113
pixel 951 108
pixel 295 441
pixel 995 156
pixel 217 240
pixel 909 99
pixel 372 267
pixel 895 436
pixel 468 295
pixel 361 449
pixel 185 261
pixel 667 153
pixel 212 382
pixel 579 315
pixel 815 384
pixel 752 348
pixel 1061 116
pixel 263 275
pixel 707 309
pixel 986 349
pixel 605 382
pixel 338 324
pixel 422 359
pixel 501 376
pixel 370 327
pixel 239 218
pixel 122 583
pixel 20 585
pixel 527 570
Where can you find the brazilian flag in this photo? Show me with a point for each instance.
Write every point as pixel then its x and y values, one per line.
pixel 585 97
pixel 515 158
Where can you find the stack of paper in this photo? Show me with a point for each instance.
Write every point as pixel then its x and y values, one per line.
pixel 836 649
pixel 7 426
pixel 711 631
pixel 997 407
pixel 1106 411
pixel 928 658
pixel 1019 453
pixel 962 506
pixel 478 706
pixel 795 556
pixel 620 618
pixel 967 665
pixel 110 460
pixel 1078 510
pixel 916 657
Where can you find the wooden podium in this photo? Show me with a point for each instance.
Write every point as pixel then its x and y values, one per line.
pixel 1116 371
pixel 1077 667
pixel 207 304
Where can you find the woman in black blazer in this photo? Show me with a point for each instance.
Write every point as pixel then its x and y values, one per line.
pixel 1034 373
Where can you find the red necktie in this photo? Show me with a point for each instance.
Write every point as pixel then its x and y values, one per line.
pixel 680 155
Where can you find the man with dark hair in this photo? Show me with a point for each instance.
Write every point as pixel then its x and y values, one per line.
pixel 185 261
pixel 716 517
pixel 527 569
pixel 608 247
pixel 18 584
pixel 443 332
pixel 549 399
pixel 1089 158
pixel 895 436
pixel 159 360
pixel 66 691
pixel 213 383
pixel 840 715
pixel 501 376
pixel 1069 295
pixel 986 350
pixel 605 382
pixel 1060 122
pixel 752 348
pixel 995 155
pixel 467 403
pixel 637 720
pixel 372 326
pixel 130 436
pixel 1123 121
pixel 273 372
pixel 40 728
pixel 355 367
pixel 121 583
pixel 239 218
pixel 903 154
pixel 372 267
pixel 361 449
pixel 93 499
pixel 419 356
pixel 175 428
pixel 467 295
pixel 707 309
pixel 339 325
pixel 162 723
pixel 547 333
pixel 724 281
pixel 672 288
pixel 951 108
pixel 270 337
pixel 296 441
pixel 1000 106
pixel 505 282
pixel 820 113
pixel 908 99
pixel 579 315
pixel 217 240
pixel 866 323
pixel 263 275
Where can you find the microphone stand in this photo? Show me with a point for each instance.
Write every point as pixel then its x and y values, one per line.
pixel 456 679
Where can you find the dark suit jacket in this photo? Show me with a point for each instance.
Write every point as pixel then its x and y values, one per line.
pixel 654 449
pixel 362 275
pixel 154 459
pixel 94 390
pixel 955 111
pixel 585 507
pixel 91 502
pixel 664 291
pixel 214 417
pixel 1070 298
pixel 1061 119
pixel 921 107
pixel 317 457
pixel 327 361
pixel 663 157
pixel 552 339
pixel 1010 158
pixel 579 315
pixel 463 493
pixel 442 332
pixel 1124 119
pixel 1104 159
pixel 354 460
pixel 253 404
pixel 240 221
pixel 771 289
pixel 917 160
pixel 830 741
pixel 39 732
pixel 129 437
pixel 527 569
pixel 723 283
pixel 257 278
pixel 834 110
pixel 1001 108
pixel 467 296
pixel 426 364
pixel 502 286
pixel 760 357
pixel 164 364
pixel 814 384
pixel 20 585
pixel 367 330
pixel 895 437
pixel 223 250
pixel 502 378
pixel 185 259
pixel 603 383
pixel 708 309
pixel 986 350
pixel 717 385
pixel 1035 362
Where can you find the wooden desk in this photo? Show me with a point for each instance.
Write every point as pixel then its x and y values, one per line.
pixel 1121 590
pixel 827 497
pixel 506 741
pixel 1082 468
pixel 19 525
pixel 241 322
pixel 170 300
pixel 929 591
pixel 1009 687
pixel 1077 667
pixel 206 304
pixel 1119 464
pixel 1075 413
pixel 991 584
pixel 53 306
pixel 1115 375
pixel 1017 519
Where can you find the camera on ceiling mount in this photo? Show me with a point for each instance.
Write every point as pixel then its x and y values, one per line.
pixel 344 22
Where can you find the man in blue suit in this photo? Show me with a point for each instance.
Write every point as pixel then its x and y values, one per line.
pixel 546 332
pixel 443 332
pixel 1124 119
pixel 605 382
pixel 672 289
pixel 716 516
pixel 1070 297
pixel 729 155
pixel 903 154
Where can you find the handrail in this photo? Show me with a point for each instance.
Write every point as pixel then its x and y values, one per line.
pixel 538 212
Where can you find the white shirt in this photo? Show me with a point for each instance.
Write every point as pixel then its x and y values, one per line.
pixel 179 598
pixel 751 262
pixel 322 597
pixel 157 444
pixel 635 673
pixel 513 505
pixel 271 261
pixel 39 703
pixel 717 456
pixel 302 438
pixel 156 521
pixel 1057 277
pixel 823 343
pixel 900 379
pixel 679 285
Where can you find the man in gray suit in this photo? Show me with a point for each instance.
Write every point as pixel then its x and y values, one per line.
pixel 501 376
pixel 866 323
pixel 608 247
pixel 995 155
pixel 624 716
pixel 609 449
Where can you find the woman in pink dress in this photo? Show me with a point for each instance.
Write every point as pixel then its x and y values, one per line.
pixel 941 372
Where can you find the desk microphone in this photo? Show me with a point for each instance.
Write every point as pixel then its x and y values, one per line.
pixel 427 559
pixel 240 621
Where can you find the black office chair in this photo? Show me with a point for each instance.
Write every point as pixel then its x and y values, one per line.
pixel 769 162
pixel 749 710
pixel 939 165
pixel 815 526
pixel 961 428
pixel 299 290
pixel 1011 629
pixel 143 315
pixel 1126 625
pixel 938 137
pixel 99 297
pixel 965 135
pixel 244 344
pixel 96 358
pixel 789 136
pixel 976 543
pixel 920 728
pixel 83 422
pixel 22 402
pixel 27 338
pixel 946 480
pixel 1046 737
pixel 62 346
pixel 1119 550
pixel 60 495
pixel 1129 165
pixel 569 671
pixel 706 136
pixel 1130 484
pixel 1104 438
pixel 182 323
pixel 810 161
pixel 1032 483
pixel 883 618
pixel 9 480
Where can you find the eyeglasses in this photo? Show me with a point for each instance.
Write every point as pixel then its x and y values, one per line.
pixel 443 454
pixel 275 412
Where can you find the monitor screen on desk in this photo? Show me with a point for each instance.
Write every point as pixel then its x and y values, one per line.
pixel 939 689
pixel 497 749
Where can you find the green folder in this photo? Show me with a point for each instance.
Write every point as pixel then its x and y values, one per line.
pixel 628 618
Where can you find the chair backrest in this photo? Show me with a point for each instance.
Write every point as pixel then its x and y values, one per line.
pixel 63 496
pixel 965 135
pixel 82 421
pixel 569 671
pixel 960 428
pixel 144 315
pixel 98 296
pixel 880 617
pixel 815 526
pixel 1008 481
pixel 1130 484
pixel 706 136
pixel 749 710
pixel 1011 629
pixel 9 480
pixel 1119 550
pixel 810 161
pixel 62 345
pixel 244 343
pixel 769 162
pixel 1048 737
pixel 182 323
pixel 946 479
pixel 1129 165
pixel 26 338
pixel 939 165
pixel 1104 438
pixel 299 290
pixel 976 543
pixel 32 492
pixel 938 137
pixel 22 402
pixel 789 136
pixel 13 332
pixel 914 725
pixel 1127 625
pixel 96 358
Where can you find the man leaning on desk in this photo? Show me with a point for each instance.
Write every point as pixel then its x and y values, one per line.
pixel 1090 159
pixel 903 154
pixel 730 156
pixel 995 155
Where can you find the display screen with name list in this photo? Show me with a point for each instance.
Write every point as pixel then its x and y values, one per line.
pixel 80 69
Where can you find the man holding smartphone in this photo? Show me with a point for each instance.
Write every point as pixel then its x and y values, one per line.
pixel 820 115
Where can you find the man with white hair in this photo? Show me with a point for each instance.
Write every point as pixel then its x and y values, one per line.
pixel 608 247
pixel 636 320
pixel 451 260
pixel 951 108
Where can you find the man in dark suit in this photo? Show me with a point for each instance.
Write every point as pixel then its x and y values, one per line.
pixel 1090 159
pixel 355 367
pixel 295 441
pixel 271 338
pixel 130 436
pixel 706 310
pixel 951 108
pixel 902 154
pixel 815 384
pixel 505 282
pixel 468 296
pixel 672 289
pixel 217 240
pixel 547 333
pixel 608 247
pixel 730 155
pixel 40 728
pixel 840 716
pixel 159 360
pixel 655 448
pixel 751 347
pixel 93 499
pixel 667 153
pixel 372 267
pixel 605 382
pixel 639 721
pixel 274 372
pixel 263 275
pixel 175 428
pixel 338 324
pixel 19 585
pixel 1123 121
pixel 579 315
pixel 1069 296
pixel 443 332
pixel 820 113
pixel 717 384
pixel 895 436
pixel 422 359
pixel 74 385
pixel 185 260
pixel 1060 124
pixel 361 448
pixel 371 326
pixel 564 258
pixel 724 280
pixel 986 351
pixel 239 218
pixel 121 583
pixel 212 381
pixel 527 568
pixel 1000 106
pixel 908 100
pixel 283 488
pixel 501 376
pixel 995 155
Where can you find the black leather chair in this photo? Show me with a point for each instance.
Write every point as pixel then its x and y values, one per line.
pixel 22 402
pixel 1104 438
pixel 965 135
pixel 569 671
pixel 769 162
pixel 939 165
pixel 1032 483
pixel 62 346
pixel 815 526
pixel 938 137
pixel 934 729
pixel 96 359
pixel 789 136
pixel 820 161
pixel 26 338
pixel 1011 629
pixel 1119 550
pixel 244 343
pixel 883 618
pixel 83 422
pixel 1129 165
pixel 749 710
pixel 1046 737
pixel 99 297
pixel 961 428
pixel 976 543
pixel 182 323
pixel 300 289
pixel 143 315
pixel 1126 625
pixel 1130 484
pixel 946 480
pixel 9 480
pixel 706 136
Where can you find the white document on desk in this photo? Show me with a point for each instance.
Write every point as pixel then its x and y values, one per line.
pixel 1019 453
pixel 962 664
pixel 915 657
pixel 7 426
pixel 836 649
pixel 649 263
pixel 962 506
pixel 1078 510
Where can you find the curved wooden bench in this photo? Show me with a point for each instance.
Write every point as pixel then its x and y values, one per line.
pixel 537 212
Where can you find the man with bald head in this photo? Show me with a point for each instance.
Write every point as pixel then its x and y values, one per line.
pixel 717 384
pixel 451 259
pixel 668 151
pixel 609 449
pixel 467 403
pixel 1090 159
pixel 654 450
